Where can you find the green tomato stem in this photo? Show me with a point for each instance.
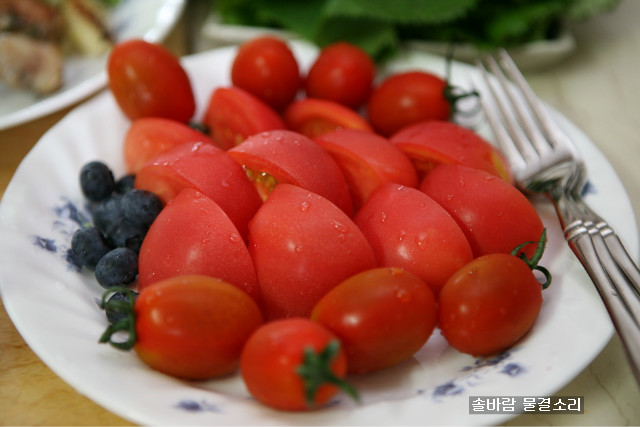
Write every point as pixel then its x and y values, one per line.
pixel 127 323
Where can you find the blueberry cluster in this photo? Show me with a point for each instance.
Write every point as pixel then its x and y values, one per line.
pixel 121 216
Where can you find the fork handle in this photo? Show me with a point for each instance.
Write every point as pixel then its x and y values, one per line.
pixel 610 267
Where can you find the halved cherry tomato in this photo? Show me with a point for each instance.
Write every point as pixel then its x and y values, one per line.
pixel 147 80
pixel 367 160
pixel 194 327
pixel 265 66
pixel 342 73
pixel 313 117
pixel 493 214
pixel 294 365
pixel 409 230
pixel 433 142
pixel 233 114
pixel 149 136
pixel 406 98
pixel 489 304
pixel 193 235
pixel 381 316
pixel 302 245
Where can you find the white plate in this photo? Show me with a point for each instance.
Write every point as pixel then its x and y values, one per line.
pixel 54 307
pixel 84 75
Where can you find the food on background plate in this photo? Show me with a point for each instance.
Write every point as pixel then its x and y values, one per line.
pixel 36 35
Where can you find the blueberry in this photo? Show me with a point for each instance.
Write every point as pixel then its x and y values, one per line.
pixel 141 207
pixel 112 313
pixel 107 213
pixel 88 246
pixel 96 181
pixel 118 267
pixel 126 234
pixel 125 184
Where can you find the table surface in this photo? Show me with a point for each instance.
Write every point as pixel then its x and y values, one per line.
pixel 597 88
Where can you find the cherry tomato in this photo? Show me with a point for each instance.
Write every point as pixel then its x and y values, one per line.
pixel 149 136
pixel 294 365
pixel 493 214
pixel 407 98
pixel 489 304
pixel 266 67
pixel 233 114
pixel 194 327
pixel 408 229
pixel 367 160
pixel 342 73
pixel 381 316
pixel 147 80
pixel 208 169
pixel 302 245
pixel 313 117
pixel 282 156
pixel 193 235
pixel 433 142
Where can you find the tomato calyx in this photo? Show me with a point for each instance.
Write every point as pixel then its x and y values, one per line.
pixel 315 371
pixel 454 94
pixel 124 310
pixel 535 258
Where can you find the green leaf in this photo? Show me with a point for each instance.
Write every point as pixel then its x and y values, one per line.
pixel 401 11
pixel 375 38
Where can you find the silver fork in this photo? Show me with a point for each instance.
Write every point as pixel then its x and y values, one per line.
pixel 544 160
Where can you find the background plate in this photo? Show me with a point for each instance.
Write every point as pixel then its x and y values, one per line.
pixel 55 310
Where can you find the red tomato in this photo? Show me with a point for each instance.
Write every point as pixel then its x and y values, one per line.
pixel 489 304
pixel 192 235
pixel 302 245
pixel 194 327
pixel 208 169
pixel 409 230
pixel 233 114
pixel 149 136
pixel 277 365
pixel 367 160
pixel 407 98
pixel 381 316
pixel 147 80
pixel 342 73
pixel 492 213
pixel 283 156
pixel 433 142
pixel 266 67
pixel 313 117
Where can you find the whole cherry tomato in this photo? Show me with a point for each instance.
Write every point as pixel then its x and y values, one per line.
pixel 266 67
pixel 406 98
pixel 381 316
pixel 294 364
pixel 191 327
pixel 342 73
pixel 489 304
pixel 147 80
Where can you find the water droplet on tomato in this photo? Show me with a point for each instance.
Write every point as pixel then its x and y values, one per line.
pixel 234 237
pixel 265 134
pixel 304 206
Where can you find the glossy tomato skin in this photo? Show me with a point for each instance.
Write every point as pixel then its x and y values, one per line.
pixel 342 73
pixel 408 229
pixel 266 67
pixel 302 245
pixel 367 160
pixel 292 158
pixel 494 215
pixel 147 80
pixel 194 327
pixel 381 316
pixel 432 142
pixel 233 114
pixel 272 355
pixel 193 235
pixel 148 137
pixel 489 304
pixel 313 117
pixel 406 98
pixel 208 169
